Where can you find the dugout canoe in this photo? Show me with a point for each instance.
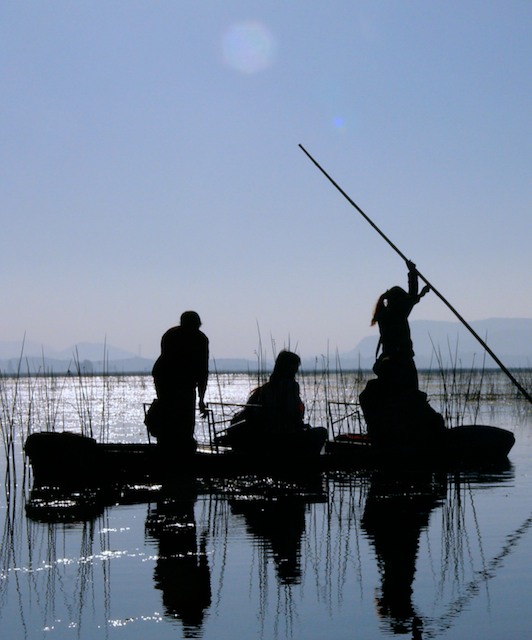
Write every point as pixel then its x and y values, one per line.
pixel 69 459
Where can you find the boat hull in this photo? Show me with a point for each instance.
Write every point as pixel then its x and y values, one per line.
pixel 67 459
pixel 463 446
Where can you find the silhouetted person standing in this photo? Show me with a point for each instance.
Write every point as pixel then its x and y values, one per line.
pixel 396 363
pixel 182 367
pixel 397 413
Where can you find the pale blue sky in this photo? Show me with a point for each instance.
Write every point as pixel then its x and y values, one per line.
pixel 150 164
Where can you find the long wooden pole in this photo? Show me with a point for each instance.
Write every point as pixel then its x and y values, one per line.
pixel 422 277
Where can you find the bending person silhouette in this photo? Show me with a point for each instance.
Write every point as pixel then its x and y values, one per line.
pixel 182 367
pixel 396 362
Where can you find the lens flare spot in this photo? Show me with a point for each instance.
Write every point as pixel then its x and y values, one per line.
pixel 339 123
pixel 248 47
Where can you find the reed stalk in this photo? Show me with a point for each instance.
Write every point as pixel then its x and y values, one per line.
pixel 460 389
pixel 86 392
pixel 83 398
pixel 106 396
pixel 8 420
pixel 51 393
pixel 7 427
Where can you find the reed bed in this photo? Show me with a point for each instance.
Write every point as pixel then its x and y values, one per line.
pixel 90 403
pixel 16 418
pixel 461 389
pixel 45 401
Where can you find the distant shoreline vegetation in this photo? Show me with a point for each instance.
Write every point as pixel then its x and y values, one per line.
pixel 307 369
pixel 35 367
pixel 437 344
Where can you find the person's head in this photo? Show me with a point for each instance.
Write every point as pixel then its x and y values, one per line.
pixel 190 320
pixel 286 365
pixel 388 302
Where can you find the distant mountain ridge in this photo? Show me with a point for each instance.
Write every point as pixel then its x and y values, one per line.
pixel 434 341
pixel 452 343
pixel 81 351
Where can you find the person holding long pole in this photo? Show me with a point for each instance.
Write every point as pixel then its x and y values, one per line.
pixel 395 364
pixel 503 368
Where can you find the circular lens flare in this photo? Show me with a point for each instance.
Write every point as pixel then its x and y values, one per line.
pixel 248 47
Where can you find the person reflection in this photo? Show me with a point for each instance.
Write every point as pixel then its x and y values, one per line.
pixel 182 571
pixel 397 510
pixel 280 524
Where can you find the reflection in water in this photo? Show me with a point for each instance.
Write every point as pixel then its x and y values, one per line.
pixel 275 514
pixel 55 559
pixel 182 569
pixel 56 505
pixel 313 561
pixel 397 509
pixel 279 524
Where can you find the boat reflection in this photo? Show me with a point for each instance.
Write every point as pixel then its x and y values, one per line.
pixel 292 549
pixel 181 570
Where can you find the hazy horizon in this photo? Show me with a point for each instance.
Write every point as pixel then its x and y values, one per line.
pixel 507 336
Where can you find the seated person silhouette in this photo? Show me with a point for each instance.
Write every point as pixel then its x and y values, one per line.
pixel 181 368
pixel 274 415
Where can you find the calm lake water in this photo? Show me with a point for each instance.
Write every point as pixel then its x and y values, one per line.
pixel 346 555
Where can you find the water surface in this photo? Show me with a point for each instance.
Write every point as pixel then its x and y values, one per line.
pixel 348 555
